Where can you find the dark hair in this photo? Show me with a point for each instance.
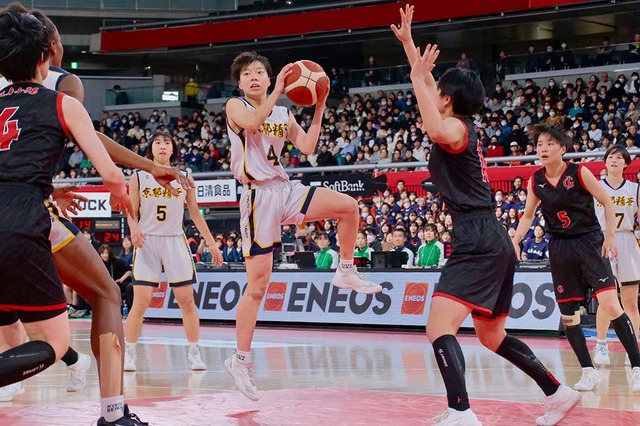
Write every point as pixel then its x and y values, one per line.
pixel 431 227
pixel 555 131
pixel 52 31
pixel 465 89
pixel 245 59
pixel 322 235
pixel 165 134
pixel 24 42
pixel 105 247
pixel 618 149
pixel 400 229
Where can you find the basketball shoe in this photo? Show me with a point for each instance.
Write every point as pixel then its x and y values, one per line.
pixel 451 417
pixel 588 380
pixel 129 419
pixel 77 373
pixel 195 361
pixel 7 393
pixel 130 357
pixel 242 377
pixel 558 406
pixel 634 381
pixel 350 278
pixel 601 354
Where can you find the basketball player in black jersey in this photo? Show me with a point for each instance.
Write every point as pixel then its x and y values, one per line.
pixel 577 249
pixel 478 277
pixel 66 113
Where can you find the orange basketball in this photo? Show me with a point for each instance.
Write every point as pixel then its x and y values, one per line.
pixel 306 83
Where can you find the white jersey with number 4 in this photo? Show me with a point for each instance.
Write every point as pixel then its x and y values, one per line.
pixel 625 202
pixel 255 157
pixel 161 213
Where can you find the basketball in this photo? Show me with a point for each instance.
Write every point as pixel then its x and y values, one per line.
pixel 306 84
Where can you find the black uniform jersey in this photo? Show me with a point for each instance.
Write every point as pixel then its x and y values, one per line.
pixel 460 176
pixel 567 207
pixel 32 134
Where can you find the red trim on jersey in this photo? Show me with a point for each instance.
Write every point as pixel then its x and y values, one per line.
pixel 566 167
pixel 459 150
pixel 63 122
pixel 612 287
pixel 33 308
pixel 487 319
pixel 463 302
pixel 570 299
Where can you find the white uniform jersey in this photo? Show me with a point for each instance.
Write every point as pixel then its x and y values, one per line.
pixel 52 81
pixel 625 201
pixel 161 213
pixel 256 157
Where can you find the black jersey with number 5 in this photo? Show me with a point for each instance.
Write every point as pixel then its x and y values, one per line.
pixel 567 207
pixel 461 176
pixel 32 134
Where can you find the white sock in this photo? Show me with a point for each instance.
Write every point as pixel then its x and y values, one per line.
pixel 193 347
pixel 112 408
pixel 130 347
pixel 346 264
pixel 243 357
pixel 602 342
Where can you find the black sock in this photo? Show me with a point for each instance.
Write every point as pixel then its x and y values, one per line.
pixel 519 354
pixel 70 358
pixel 24 361
pixel 624 329
pixel 451 363
pixel 578 343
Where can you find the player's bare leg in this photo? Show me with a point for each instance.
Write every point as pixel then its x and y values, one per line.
pixel 133 327
pixel 191 324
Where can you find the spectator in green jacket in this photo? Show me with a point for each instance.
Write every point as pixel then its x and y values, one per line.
pixel 326 258
pixel 431 251
pixel 362 248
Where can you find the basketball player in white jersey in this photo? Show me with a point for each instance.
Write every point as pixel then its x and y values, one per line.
pixel 258 129
pixel 79 265
pixel 159 241
pixel 626 267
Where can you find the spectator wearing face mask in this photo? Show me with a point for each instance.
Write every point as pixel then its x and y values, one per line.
pixel 553 118
pixel 565 56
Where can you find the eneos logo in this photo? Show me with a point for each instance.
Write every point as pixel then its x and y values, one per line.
pixel 274 300
pixel 158 295
pixel 415 298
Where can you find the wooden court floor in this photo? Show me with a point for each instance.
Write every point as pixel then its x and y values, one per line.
pixel 320 377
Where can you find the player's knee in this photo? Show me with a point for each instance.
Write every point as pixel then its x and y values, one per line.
pixel 491 341
pixel 571 320
pixel 256 292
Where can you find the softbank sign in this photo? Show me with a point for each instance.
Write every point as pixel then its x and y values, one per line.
pixel 97 205
pixel 309 297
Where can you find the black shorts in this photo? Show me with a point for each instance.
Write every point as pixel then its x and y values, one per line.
pixel 577 265
pixel 30 289
pixel 479 273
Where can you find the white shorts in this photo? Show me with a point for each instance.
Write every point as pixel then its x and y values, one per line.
pixel 62 232
pixel 626 267
pixel 170 252
pixel 265 207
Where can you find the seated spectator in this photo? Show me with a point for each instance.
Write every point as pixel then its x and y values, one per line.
pixel 634 49
pixel 398 241
pixel 565 57
pixel 362 248
pixel 549 60
pixel 603 53
pixel 230 252
pixel 536 248
pixel 463 62
pixel 431 251
pixel 326 257
pixel 531 62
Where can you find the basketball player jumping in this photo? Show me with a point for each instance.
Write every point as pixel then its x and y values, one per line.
pixel 258 129
pixel 478 277
pixel 626 267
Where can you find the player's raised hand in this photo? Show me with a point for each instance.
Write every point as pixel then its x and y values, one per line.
pixel 424 64
pixel 323 99
pixel 164 175
pixel 282 75
pixel 68 201
pixel 404 32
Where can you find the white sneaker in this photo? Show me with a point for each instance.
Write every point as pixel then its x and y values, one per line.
pixel 627 361
pixel 588 380
pixel 558 406
pixel 195 361
pixel 634 381
pixel 7 393
pixel 242 377
pixel 130 357
pixel 351 279
pixel 601 354
pixel 451 417
pixel 77 373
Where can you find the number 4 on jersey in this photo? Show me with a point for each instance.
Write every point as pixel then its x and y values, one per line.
pixel 9 128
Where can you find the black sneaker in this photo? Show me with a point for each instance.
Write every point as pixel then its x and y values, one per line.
pixel 129 419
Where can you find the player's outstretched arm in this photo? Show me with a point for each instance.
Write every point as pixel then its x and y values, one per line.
pixel 527 217
pixel 403 33
pixel 67 201
pixel 201 224
pixel 307 141
pixel 81 128
pixel 609 248
pixel 250 120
